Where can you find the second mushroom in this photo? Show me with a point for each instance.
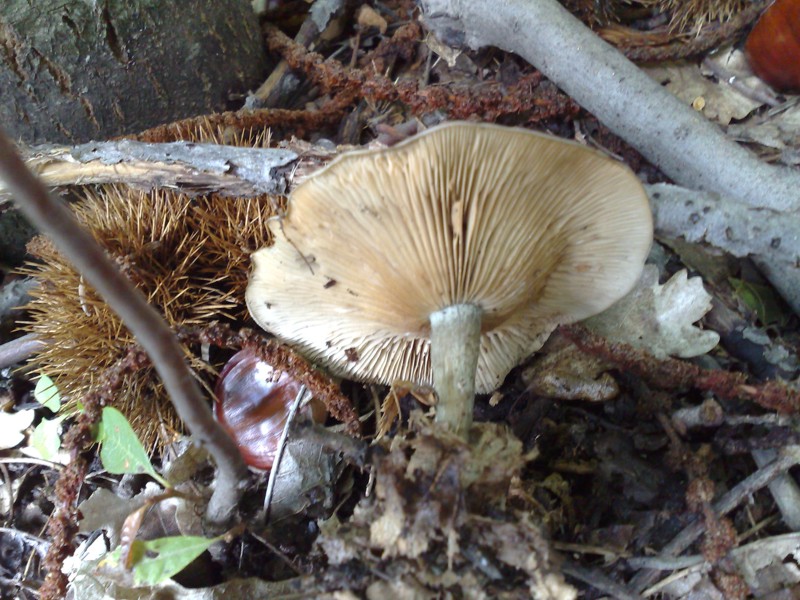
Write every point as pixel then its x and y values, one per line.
pixel 449 258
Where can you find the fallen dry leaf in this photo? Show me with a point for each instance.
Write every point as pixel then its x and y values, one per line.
pixel 659 318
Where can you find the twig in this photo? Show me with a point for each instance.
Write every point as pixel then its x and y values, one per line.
pixel 736 227
pixel 787 458
pixel 318 19
pixel 276 464
pixel 227 170
pixel 25 460
pixel 725 77
pixel 665 563
pixel 19 349
pixel 54 219
pixel 784 490
pixel 699 569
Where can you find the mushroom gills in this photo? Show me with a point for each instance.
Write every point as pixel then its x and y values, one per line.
pixel 455 348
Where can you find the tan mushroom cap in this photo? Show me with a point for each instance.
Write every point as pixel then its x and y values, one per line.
pixel 534 230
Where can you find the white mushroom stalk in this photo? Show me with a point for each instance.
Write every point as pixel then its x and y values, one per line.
pixel 455 348
pixel 449 258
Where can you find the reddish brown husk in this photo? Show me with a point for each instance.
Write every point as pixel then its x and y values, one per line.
pixel 773 46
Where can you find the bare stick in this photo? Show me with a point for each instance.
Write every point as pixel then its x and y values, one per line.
pixel 54 219
pixel 276 464
pixel 598 580
pixel 783 488
pixel 19 349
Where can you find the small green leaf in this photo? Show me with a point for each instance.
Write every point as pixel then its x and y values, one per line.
pixel 46 393
pixel 763 300
pixel 121 450
pixel 171 555
pixel 46 438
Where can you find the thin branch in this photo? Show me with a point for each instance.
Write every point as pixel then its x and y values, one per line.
pixel 55 220
pixel 598 580
pixel 783 488
pixel 19 349
pixel 276 464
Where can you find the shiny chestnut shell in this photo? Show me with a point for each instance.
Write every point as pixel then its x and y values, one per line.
pixel 773 46
pixel 252 403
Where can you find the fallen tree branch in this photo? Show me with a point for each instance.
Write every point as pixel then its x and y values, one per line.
pixel 725 223
pixel 770 237
pixel 675 138
pixel 191 167
pixel 55 220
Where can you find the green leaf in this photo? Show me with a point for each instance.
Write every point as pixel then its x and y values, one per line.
pixel 46 438
pixel 46 393
pixel 763 300
pixel 171 555
pixel 121 450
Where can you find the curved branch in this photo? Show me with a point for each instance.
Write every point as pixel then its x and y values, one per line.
pixel 54 219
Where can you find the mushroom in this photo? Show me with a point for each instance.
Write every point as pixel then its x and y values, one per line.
pixel 450 257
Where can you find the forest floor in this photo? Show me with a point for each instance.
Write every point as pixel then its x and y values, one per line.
pixel 603 467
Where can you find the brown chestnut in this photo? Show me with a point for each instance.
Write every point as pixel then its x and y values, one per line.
pixel 252 403
pixel 773 47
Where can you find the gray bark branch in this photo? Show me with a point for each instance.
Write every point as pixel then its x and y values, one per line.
pixel 725 223
pixel 683 144
pixel 190 167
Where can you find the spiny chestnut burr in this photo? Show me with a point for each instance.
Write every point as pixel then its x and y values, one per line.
pixel 252 402
pixel 773 47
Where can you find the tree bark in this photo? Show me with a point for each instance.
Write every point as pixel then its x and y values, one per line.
pixel 72 70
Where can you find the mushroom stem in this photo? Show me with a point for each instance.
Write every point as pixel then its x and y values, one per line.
pixel 455 346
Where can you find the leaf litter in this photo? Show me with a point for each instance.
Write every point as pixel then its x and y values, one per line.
pixel 610 483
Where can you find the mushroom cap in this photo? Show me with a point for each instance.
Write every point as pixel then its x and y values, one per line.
pixel 535 230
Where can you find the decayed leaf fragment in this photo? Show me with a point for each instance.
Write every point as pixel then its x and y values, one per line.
pixel 659 318
pixel 565 372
